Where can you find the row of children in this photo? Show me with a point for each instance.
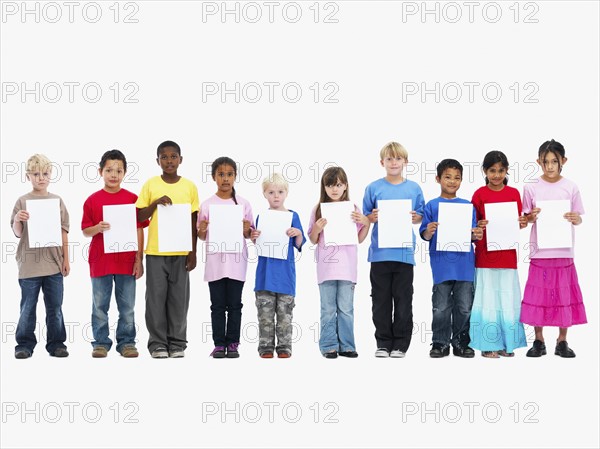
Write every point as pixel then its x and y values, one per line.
pixel 476 294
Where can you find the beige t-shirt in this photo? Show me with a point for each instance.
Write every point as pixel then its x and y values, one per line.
pixel 34 262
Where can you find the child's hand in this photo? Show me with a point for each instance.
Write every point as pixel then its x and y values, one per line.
pixel 319 225
pixel 164 200
pixel 254 234
pixel 432 227
pixel 416 218
pixel 138 269
pixel 573 217
pixel 22 215
pixel 66 267
pixel 532 217
pixel 203 226
pixel 482 223
pixel 246 227
pixel 190 261
pixel 373 216
pixel 103 226
pixel 477 233
pixel 357 217
pixel 523 221
pixel 293 232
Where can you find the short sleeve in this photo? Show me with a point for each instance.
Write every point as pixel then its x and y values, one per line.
pixel 64 216
pixel 313 219
pixel 144 199
pixel 427 218
pixel 527 199
pixel 577 202
pixel 87 217
pixel 368 201
pixel 419 201
pixel 195 198
pixel 15 211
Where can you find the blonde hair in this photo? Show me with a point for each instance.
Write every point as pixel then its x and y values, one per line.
pixel 38 163
pixel 393 149
pixel 275 179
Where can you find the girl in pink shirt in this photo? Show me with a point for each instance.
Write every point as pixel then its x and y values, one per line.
pixel 552 295
pixel 336 270
pixel 225 272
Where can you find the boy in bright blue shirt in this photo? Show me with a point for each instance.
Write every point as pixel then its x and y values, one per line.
pixel 453 271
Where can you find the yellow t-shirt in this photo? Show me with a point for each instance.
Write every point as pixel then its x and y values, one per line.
pixel 183 191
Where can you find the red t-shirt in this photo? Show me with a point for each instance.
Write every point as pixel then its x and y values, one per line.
pixel 483 257
pixel 102 264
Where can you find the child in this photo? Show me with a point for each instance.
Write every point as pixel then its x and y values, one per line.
pixel 275 285
pixel 40 267
pixel 453 271
pixel 225 272
pixel 495 328
pixel 552 295
pixel 392 268
pixel 167 273
pixel 122 268
pixel 336 270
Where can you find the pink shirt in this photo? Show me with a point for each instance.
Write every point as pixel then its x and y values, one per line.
pixel 335 263
pixel 541 190
pixel 225 265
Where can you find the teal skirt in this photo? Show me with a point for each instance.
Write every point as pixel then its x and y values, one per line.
pixel 496 310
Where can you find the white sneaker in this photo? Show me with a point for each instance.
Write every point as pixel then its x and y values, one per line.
pixel 397 354
pixel 382 352
pixel 177 354
pixel 159 353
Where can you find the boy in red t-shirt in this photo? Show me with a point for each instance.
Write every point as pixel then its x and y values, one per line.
pixel 121 267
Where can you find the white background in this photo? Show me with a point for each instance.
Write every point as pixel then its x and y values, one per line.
pixel 368 54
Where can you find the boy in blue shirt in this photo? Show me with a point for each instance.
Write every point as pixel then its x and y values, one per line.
pixel 453 271
pixel 392 268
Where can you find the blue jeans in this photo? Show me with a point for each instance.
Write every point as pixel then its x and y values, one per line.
pixel 125 295
pixel 52 287
pixel 337 316
pixel 452 304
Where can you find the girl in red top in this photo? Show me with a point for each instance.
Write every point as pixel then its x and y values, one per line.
pixel 495 328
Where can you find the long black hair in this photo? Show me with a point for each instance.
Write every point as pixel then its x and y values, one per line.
pixel 224 160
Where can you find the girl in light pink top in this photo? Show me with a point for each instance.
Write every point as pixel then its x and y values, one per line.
pixel 336 270
pixel 224 271
pixel 552 295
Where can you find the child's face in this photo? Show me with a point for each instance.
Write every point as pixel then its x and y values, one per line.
pixel 450 181
pixel 551 164
pixel 40 178
pixel 496 174
pixel 169 160
pixel 336 191
pixel 113 173
pixel 393 165
pixel 275 195
pixel 225 178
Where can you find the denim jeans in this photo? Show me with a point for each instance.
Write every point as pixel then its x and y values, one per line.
pixel 125 294
pixel 452 303
pixel 52 287
pixel 337 316
pixel 226 310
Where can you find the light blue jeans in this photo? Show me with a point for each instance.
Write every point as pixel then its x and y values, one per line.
pixel 125 296
pixel 337 316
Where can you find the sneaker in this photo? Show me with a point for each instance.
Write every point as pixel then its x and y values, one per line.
pixel 349 354
pixel 177 354
pixel 463 351
pixel 397 354
pixel 22 354
pixel 382 352
pixel 160 353
pixel 218 352
pixel 330 354
pixel 266 354
pixel 129 352
pixel 60 352
pixel 99 352
pixel 537 350
pixel 284 353
pixel 232 350
pixel 563 350
pixel 438 351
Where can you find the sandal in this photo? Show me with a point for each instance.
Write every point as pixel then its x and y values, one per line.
pixel 490 354
pixel 503 353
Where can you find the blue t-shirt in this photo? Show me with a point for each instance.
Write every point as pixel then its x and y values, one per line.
pixel 448 265
pixel 384 190
pixel 279 275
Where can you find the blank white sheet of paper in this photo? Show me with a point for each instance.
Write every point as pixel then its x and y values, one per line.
pixel 273 241
pixel 454 229
pixel 395 223
pixel 174 228
pixel 553 229
pixel 503 227
pixel 44 225
pixel 122 235
pixel 226 228
pixel 340 229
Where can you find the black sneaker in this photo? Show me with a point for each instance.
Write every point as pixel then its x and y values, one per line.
pixel 463 351
pixel 60 352
pixel 438 351
pixel 22 354
pixel 330 354
pixel 349 354
pixel 537 350
pixel 563 350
